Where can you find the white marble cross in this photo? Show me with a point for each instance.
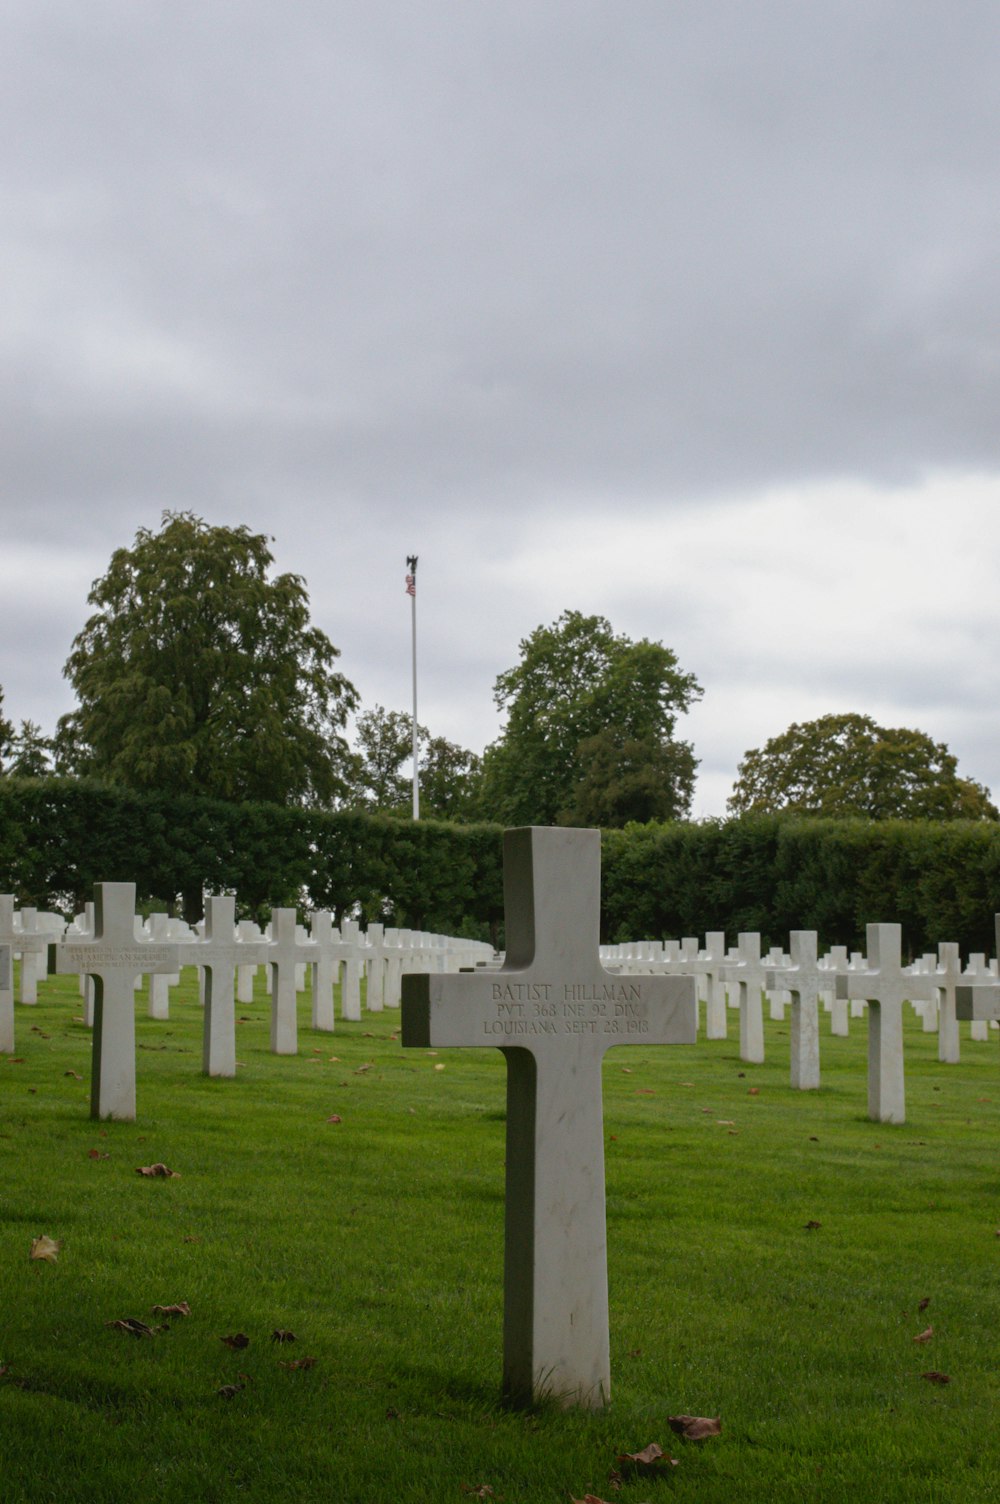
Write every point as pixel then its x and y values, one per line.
pixel 553 1010
pixel 220 952
pixel 979 1002
pixel 27 941
pixel 885 987
pixel 805 979
pixel 113 956
pixel 946 978
pixel 285 952
pixel 708 964
pixel 6 1000
pixel 749 973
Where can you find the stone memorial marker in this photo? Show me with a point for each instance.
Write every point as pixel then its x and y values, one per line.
pixel 805 979
pixel 6 1000
pixel 220 953
pixel 25 940
pixel 946 978
pixel 749 973
pixel 708 964
pixel 285 953
pixel 835 961
pixel 113 957
pixel 553 1011
pixel 979 1002
pixel 321 930
pixel 884 986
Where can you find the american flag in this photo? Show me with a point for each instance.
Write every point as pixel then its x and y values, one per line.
pixel 411 584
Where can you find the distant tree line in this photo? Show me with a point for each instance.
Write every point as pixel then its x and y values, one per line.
pixel 772 874
pixel 200 673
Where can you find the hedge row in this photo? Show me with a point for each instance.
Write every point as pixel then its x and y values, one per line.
pixel 941 881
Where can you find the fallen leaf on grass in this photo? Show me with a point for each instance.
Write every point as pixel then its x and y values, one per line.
pixel 237 1340
pixel 439 1066
pixel 753 1091
pixel 157 1171
pixel 587 1499
pixel 180 1309
pixel 924 1336
pixel 227 1391
pixel 368 1066
pixel 933 1376
pixel 98 1154
pixel 45 1248
pixel 695 1427
pixel 281 1335
pixel 190 1239
pixel 652 1458
pixel 75 1074
pixel 4 1369
pixel 645 1091
pixel 923 1304
pixel 482 1492
pixel 335 1118
pixel 812 1226
pixel 133 1327
pixel 726 1122
pixel 297 1363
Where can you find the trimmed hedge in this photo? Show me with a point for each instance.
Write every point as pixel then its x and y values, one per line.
pixel 940 880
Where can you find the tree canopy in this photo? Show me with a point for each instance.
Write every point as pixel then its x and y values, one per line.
pixel 198 673
pixel 6 736
pixel 843 765
pixel 590 728
pixel 449 774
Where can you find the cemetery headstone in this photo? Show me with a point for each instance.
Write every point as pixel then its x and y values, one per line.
pixel 553 1011
pixel 884 986
pixel 804 979
pixel 749 973
pixel 6 1000
pixel 113 956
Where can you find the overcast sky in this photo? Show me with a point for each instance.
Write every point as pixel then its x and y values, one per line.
pixel 686 312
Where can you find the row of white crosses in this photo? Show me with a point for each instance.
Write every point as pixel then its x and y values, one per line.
pixel 109 949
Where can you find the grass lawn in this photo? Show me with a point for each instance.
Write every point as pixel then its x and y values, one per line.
pixel 377 1240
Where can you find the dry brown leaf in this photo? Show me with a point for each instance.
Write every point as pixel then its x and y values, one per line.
pixel 812 1226
pixel 651 1458
pixel 368 1066
pixel 180 1309
pixel 98 1154
pixel 297 1363
pixel 645 1091
pixel 483 1491
pixel 159 1171
pixel 228 1390
pixel 753 1091
pixel 133 1327
pixel 45 1248
pixel 75 1074
pixel 695 1427
pixel 280 1334
pixel 587 1499
pixel 933 1376
pixel 335 1118
pixel 237 1340
pixel 726 1122
pixel 923 1304
pixel 924 1336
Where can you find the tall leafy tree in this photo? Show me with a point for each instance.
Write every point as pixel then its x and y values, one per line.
pixel 590 732
pixel 200 673
pixel 843 765
pixel 382 773
pixel 30 753
pixel 6 737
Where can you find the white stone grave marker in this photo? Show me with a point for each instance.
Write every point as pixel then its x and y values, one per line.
pixel 749 973
pixel 804 979
pixel 553 1011
pixel 113 956
pixel 884 986
pixel 6 1000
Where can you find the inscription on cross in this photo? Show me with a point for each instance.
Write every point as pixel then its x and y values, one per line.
pixel 114 958
pixel 553 1011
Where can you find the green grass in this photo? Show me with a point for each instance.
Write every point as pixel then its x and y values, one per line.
pixel 378 1242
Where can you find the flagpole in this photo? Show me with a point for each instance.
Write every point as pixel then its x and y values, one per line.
pixel 411 587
